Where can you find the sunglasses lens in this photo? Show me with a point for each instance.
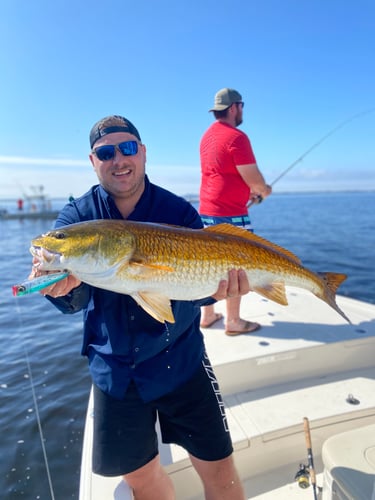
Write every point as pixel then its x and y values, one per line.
pixel 105 153
pixel 128 148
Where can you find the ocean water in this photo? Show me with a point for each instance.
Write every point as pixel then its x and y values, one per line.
pixel 40 347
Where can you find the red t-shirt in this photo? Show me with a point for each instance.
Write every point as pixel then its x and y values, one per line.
pixel 223 192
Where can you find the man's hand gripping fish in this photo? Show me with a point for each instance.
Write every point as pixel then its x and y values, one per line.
pixel 155 263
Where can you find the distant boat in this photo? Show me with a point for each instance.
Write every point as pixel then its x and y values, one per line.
pixel 34 205
pixel 305 362
pixel 45 214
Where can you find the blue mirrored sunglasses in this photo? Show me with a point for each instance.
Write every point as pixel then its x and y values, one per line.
pixel 108 152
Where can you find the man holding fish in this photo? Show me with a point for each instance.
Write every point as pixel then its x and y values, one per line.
pixel 141 365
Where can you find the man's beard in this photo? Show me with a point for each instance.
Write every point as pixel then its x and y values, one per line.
pixel 238 120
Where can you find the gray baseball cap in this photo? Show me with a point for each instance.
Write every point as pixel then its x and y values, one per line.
pixel 225 98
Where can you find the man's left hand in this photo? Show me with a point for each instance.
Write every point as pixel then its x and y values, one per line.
pixel 236 285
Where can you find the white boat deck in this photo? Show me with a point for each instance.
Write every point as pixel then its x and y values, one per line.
pixel 306 361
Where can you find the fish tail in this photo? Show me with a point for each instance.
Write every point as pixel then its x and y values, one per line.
pixel 331 283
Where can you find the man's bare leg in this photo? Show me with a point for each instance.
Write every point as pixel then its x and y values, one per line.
pixel 150 482
pixel 220 479
pixel 234 323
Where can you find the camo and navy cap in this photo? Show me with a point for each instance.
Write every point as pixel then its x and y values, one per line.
pixel 110 125
pixel 225 98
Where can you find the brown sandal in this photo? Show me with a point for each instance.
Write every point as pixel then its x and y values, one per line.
pixel 217 318
pixel 249 327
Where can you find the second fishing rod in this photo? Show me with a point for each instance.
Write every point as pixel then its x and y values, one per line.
pixel 258 199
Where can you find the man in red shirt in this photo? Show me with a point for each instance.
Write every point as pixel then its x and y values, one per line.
pixel 230 178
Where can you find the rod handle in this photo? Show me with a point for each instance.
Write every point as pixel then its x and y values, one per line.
pixel 306 426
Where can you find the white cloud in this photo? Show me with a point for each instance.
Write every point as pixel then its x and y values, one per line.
pixel 56 162
pixel 63 176
pixel 59 176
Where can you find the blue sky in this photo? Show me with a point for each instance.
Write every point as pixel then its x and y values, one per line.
pixel 302 67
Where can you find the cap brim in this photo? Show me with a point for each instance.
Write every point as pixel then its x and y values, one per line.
pixel 220 107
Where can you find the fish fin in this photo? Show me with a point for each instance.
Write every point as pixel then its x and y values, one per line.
pixel 332 282
pixel 155 304
pixel 275 291
pixel 156 267
pixel 146 268
pixel 229 229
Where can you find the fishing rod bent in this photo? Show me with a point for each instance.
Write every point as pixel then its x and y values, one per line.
pixel 316 144
pixel 259 199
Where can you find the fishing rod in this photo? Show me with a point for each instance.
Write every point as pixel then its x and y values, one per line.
pixel 306 473
pixel 310 457
pixel 258 199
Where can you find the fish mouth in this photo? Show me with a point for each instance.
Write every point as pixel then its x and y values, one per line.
pixel 44 257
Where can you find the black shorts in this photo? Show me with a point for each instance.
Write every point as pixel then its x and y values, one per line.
pixel 192 416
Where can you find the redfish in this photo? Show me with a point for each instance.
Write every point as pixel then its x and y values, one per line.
pixel 157 263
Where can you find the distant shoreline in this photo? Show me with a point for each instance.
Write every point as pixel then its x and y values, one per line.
pixel 195 197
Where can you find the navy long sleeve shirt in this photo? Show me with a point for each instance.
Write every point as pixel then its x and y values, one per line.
pixel 122 341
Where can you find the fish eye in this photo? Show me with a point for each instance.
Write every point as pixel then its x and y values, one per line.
pixel 60 235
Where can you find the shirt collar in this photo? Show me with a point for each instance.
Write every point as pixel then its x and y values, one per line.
pixel 141 210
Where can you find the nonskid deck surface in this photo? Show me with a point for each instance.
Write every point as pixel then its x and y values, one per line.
pixel 305 361
pixel 306 322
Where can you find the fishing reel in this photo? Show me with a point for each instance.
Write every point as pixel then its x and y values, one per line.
pixel 303 476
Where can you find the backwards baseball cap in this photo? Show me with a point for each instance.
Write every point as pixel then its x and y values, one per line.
pixel 225 98
pixel 110 125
